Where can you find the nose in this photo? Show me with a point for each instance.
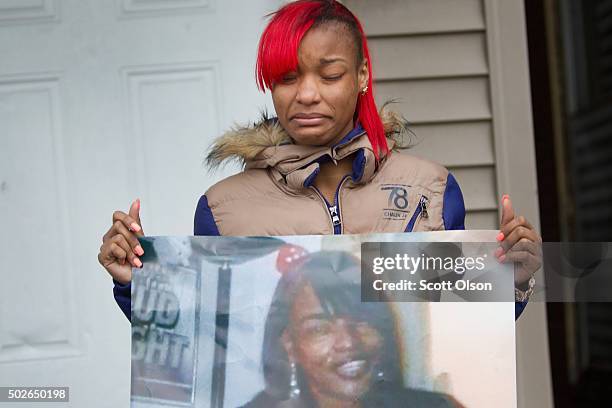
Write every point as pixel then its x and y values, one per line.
pixel 345 336
pixel 307 91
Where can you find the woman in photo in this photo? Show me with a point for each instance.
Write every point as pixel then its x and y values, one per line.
pixel 323 347
pixel 327 162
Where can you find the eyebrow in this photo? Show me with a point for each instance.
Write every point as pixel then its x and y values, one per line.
pixel 327 61
pixel 314 316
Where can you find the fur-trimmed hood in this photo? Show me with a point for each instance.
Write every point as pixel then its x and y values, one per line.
pixel 266 145
pixel 246 144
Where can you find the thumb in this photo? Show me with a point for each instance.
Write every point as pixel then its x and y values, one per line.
pixel 135 212
pixel 507 210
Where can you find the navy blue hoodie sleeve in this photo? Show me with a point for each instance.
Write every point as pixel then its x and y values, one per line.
pixel 453 214
pixel 518 308
pixel 203 224
pixel 204 221
pixel 453 208
pixel 123 297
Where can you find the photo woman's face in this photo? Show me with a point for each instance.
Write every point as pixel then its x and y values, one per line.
pixel 337 354
pixel 315 104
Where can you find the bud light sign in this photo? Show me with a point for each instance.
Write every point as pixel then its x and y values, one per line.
pixel 164 307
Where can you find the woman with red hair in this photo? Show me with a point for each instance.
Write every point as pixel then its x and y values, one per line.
pixel 326 163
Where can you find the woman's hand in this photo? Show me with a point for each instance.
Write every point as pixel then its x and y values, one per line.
pixel 120 247
pixel 519 242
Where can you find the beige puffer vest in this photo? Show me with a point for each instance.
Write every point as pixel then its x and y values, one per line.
pixel 274 195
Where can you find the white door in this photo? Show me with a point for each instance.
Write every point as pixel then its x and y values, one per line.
pixel 102 102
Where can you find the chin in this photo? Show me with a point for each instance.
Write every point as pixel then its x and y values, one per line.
pixel 311 136
pixel 351 389
pixel 352 392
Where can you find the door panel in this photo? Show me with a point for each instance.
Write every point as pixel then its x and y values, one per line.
pixel 102 102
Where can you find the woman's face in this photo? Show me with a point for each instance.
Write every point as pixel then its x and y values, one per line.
pixel 338 354
pixel 316 104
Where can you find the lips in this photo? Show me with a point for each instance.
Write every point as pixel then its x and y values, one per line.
pixel 308 119
pixel 352 369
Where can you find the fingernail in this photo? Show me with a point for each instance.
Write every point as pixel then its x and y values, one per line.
pixel 501 258
pixel 139 250
pixel 137 262
pixel 500 236
pixel 499 251
pixel 138 202
pixel 135 227
pixel 505 197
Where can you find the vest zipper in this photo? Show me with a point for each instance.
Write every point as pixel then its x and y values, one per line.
pixel 333 210
pixel 423 202
pixel 420 212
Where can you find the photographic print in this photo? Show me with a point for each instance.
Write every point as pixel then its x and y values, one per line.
pixel 282 322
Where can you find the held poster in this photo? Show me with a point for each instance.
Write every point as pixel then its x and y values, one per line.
pixel 385 320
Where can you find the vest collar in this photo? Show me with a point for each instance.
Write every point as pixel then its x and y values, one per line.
pixel 298 166
pixel 266 145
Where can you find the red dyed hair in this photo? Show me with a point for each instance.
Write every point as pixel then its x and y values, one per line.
pixel 278 54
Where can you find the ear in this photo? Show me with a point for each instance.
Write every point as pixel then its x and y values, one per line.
pixel 363 74
pixel 288 345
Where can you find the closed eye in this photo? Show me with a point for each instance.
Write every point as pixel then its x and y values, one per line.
pixel 289 78
pixel 333 77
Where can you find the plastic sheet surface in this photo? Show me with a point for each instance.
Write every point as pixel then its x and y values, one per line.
pixel 281 322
